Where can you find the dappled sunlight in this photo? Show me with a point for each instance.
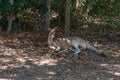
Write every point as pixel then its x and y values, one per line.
pixel 26 38
pixel 96 44
pixel 49 62
pixel 116 52
pixel 117 74
pixel 15 63
pixel 110 49
pixel 4 60
pixel 29 58
pixel 51 73
pixel 113 69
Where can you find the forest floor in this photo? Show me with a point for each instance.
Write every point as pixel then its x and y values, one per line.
pixel 26 56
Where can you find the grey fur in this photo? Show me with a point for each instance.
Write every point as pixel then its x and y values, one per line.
pixel 75 42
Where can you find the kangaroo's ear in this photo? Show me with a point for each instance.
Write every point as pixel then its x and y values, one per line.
pixel 55 28
pixel 50 29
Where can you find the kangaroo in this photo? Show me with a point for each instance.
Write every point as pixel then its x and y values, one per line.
pixel 71 43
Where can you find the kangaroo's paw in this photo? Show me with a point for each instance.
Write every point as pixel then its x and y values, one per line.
pixel 77 51
pixel 72 49
pixel 57 49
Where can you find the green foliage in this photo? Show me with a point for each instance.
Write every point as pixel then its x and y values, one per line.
pixel 16 26
pixel 3 22
pixel 103 7
pixel 33 12
pixel 106 10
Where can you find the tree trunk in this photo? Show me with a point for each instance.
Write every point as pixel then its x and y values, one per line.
pixel 47 25
pixel 10 19
pixel 67 17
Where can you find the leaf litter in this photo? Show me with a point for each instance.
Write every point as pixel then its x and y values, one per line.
pixel 26 56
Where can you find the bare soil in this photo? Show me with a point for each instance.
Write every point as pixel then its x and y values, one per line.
pixel 26 56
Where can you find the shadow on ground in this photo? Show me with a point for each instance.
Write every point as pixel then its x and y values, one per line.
pixel 21 59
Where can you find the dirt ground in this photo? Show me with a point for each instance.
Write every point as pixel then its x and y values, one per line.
pixel 27 57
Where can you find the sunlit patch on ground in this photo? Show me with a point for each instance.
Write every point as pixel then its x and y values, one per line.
pixel 21 59
pixel 113 69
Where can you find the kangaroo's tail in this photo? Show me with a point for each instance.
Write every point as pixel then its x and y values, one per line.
pixel 95 50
